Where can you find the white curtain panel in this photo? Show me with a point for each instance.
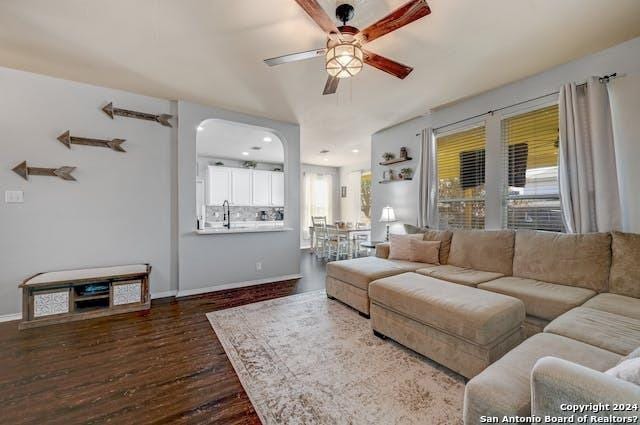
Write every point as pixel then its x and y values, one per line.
pixel 427 199
pixel 587 166
pixel 318 199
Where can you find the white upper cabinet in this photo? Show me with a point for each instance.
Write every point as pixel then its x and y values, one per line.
pixel 261 188
pixel 218 185
pixel 277 188
pixel 241 186
pixel 244 187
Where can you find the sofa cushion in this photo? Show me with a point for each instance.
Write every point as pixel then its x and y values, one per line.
pixel 477 316
pixel 444 236
pixel 541 299
pixel 614 303
pixel 504 387
pixel 625 266
pixel 568 259
pixel 425 251
pixel 487 250
pixel 360 271
pixel 400 246
pixel 612 332
pixel 460 275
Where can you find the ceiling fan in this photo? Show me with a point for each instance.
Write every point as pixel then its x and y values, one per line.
pixel 344 54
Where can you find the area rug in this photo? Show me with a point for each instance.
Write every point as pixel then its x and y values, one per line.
pixel 305 359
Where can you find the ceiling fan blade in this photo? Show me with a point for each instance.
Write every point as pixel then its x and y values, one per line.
pixel 318 14
pixel 409 12
pixel 295 57
pixel 387 65
pixel 331 86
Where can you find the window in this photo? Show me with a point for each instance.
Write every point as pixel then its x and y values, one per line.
pixel 531 197
pixel 365 197
pixel 461 179
pixel 318 199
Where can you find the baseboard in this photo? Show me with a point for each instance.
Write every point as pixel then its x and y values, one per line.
pixel 166 294
pixel 197 291
pixel 10 317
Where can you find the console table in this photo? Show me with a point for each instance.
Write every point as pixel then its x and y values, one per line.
pixel 70 295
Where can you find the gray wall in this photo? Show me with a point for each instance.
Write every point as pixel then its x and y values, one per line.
pixel 207 261
pixel 120 209
pixel 403 196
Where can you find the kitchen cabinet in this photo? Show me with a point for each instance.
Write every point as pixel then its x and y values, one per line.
pixel 241 186
pixel 244 187
pixel 218 185
pixel 277 189
pixel 261 191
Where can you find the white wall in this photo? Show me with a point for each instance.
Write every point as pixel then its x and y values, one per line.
pixel 625 102
pixel 210 261
pixel 120 209
pixel 403 196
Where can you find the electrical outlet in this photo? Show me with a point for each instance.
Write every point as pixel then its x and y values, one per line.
pixel 13 196
pixel 258 266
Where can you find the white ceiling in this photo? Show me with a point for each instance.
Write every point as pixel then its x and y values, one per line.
pixel 224 139
pixel 211 51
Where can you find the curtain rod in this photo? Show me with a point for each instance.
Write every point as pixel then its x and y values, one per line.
pixel 604 79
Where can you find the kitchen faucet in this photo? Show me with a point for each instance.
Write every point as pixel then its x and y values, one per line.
pixel 226 215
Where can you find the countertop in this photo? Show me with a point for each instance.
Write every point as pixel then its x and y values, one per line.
pixel 225 231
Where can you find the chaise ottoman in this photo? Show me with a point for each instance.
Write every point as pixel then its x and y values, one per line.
pixel 463 328
pixel 348 280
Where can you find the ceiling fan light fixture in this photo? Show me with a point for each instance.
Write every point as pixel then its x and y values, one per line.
pixel 344 60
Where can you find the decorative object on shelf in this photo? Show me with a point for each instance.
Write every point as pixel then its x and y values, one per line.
pixel 249 164
pixel 66 296
pixel 67 139
pixel 24 171
pixel 219 163
pixel 406 173
pixel 388 216
pixel 343 191
pixel 390 159
pixel 277 169
pixel 161 118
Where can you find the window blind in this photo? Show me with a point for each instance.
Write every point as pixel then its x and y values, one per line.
pixel 531 197
pixel 461 179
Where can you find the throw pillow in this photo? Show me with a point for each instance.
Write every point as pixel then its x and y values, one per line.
pixel 628 370
pixel 410 229
pixel 444 236
pixel 399 246
pixel 425 251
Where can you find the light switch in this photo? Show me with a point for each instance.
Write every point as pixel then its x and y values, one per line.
pixel 13 196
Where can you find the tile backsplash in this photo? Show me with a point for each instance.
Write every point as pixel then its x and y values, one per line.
pixel 215 213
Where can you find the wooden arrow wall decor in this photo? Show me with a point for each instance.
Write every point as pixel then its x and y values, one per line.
pixel 67 139
pixel 25 171
pixel 162 118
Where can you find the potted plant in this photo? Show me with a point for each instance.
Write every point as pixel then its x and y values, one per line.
pixel 388 156
pixel 406 173
pixel 249 164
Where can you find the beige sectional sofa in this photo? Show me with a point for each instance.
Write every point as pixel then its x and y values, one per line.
pixel 576 298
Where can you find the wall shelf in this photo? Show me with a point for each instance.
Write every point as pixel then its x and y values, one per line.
pixel 396 161
pixel 394 180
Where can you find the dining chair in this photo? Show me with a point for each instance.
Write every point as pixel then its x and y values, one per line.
pixel 336 243
pixel 317 225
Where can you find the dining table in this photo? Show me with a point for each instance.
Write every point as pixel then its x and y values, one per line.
pixel 352 233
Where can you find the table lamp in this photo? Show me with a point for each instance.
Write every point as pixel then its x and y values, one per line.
pixel 388 216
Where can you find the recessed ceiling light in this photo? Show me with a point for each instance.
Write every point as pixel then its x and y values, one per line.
pixel 355 150
pixel 267 139
pixel 200 128
pixel 245 153
pixel 326 159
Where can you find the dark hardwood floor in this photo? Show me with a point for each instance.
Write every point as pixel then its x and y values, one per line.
pixel 161 366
